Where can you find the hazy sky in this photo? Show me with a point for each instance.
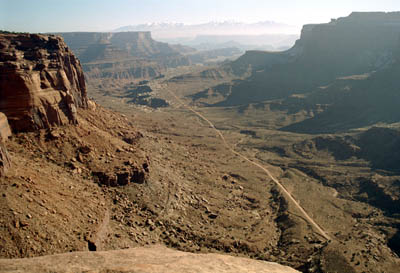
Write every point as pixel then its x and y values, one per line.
pixel 103 15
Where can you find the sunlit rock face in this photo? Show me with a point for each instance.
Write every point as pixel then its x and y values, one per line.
pixel 156 259
pixel 41 82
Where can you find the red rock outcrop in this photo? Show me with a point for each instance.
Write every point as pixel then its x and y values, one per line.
pixel 41 81
pixel 122 176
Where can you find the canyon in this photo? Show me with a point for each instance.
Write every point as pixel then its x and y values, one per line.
pixel 287 157
pixel 69 167
pixel 123 55
pixel 351 45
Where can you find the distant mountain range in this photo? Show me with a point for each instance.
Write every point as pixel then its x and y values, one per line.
pixel 267 35
pixel 175 30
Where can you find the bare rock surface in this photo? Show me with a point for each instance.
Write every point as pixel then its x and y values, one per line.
pixel 5 132
pixel 41 81
pixel 142 259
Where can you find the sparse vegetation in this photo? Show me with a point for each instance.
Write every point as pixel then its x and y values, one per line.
pixel 157 171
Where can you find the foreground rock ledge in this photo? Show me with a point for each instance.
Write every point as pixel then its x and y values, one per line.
pixel 143 259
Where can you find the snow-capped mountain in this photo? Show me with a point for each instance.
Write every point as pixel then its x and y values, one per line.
pixel 175 30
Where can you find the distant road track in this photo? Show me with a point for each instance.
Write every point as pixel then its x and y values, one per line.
pixel 283 189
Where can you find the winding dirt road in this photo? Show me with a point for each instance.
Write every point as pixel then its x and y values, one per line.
pixel 317 228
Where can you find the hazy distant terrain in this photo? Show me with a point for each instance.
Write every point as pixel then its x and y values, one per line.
pixel 270 42
pixel 349 66
pixel 266 35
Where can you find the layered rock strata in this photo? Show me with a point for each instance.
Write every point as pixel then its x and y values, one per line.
pixel 41 82
pixel 124 55
pixel 353 45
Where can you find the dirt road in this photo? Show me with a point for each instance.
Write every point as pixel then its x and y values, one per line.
pixel 317 228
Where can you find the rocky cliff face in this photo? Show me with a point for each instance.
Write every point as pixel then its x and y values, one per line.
pixel 123 55
pixel 355 101
pixel 41 81
pixel 92 46
pixel 357 44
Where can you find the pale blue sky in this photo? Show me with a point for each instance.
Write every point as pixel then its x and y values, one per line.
pixel 102 15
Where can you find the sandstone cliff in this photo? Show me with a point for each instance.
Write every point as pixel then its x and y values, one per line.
pixel 141 259
pixel 357 44
pixel 355 101
pixel 93 46
pixel 123 55
pixel 41 81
